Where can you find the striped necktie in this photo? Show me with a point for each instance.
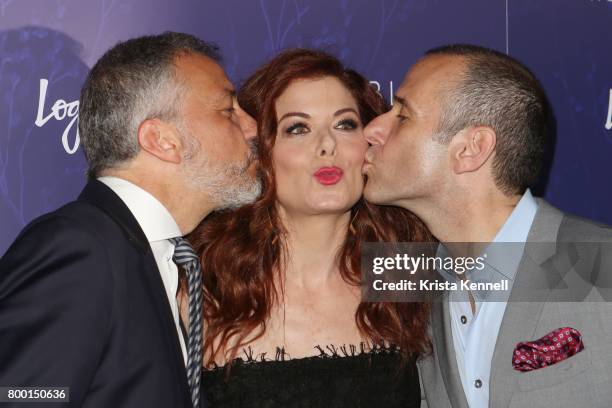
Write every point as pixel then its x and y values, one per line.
pixel 185 257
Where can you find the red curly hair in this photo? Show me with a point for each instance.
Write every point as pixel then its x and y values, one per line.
pixel 241 250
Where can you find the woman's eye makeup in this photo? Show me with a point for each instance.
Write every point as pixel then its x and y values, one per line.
pixel 300 128
pixel 347 124
pixel 297 128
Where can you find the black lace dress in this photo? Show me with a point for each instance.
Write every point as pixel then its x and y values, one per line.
pixel 338 377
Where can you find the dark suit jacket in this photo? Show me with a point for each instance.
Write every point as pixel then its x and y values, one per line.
pixel 82 305
pixel 583 380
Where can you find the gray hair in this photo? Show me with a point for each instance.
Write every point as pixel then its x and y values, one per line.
pixel 133 81
pixel 498 91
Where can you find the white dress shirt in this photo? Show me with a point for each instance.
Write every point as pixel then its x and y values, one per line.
pixel 475 334
pixel 158 226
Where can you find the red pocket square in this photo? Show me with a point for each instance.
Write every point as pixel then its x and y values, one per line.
pixel 556 346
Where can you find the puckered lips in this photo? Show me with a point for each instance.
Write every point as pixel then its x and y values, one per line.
pixel 329 175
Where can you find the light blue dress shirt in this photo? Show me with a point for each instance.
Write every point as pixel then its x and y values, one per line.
pixel 475 334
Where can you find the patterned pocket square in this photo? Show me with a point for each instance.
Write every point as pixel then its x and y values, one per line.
pixel 556 346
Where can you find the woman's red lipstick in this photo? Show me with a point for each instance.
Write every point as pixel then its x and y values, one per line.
pixel 329 175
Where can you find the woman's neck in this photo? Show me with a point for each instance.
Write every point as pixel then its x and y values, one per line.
pixel 313 242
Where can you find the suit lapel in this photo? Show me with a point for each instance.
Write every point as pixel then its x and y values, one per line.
pixel 445 356
pixel 98 194
pixel 521 318
pixel 101 196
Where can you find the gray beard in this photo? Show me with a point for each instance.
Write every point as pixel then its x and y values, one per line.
pixel 228 186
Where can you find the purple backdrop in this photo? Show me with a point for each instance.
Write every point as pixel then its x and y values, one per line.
pixel 47 47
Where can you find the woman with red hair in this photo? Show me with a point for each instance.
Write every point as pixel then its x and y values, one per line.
pixel 284 323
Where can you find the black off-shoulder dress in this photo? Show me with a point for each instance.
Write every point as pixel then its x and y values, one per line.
pixel 339 377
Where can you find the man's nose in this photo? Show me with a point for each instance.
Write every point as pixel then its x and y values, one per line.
pixel 377 131
pixel 248 125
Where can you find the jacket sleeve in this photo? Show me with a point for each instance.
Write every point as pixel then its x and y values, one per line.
pixel 56 294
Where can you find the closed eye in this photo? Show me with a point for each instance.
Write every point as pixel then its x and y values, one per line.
pixel 229 111
pixel 402 118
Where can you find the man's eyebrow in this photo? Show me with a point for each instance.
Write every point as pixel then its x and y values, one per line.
pixel 300 114
pixel 400 100
pixel 223 97
pixel 403 102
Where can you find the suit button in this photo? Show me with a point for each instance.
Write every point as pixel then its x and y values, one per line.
pixel 477 383
pixel 463 319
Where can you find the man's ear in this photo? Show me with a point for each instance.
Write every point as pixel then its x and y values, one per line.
pixel 471 148
pixel 161 140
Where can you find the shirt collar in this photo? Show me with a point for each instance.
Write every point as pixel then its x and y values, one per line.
pixel 505 252
pixel 155 220
pixel 516 228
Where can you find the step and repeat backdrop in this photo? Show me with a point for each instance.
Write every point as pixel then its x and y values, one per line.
pixel 48 46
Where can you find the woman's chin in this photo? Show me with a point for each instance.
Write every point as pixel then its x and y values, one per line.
pixel 332 207
pixel 320 204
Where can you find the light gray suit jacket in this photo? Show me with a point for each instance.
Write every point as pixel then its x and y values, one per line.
pixel 583 380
